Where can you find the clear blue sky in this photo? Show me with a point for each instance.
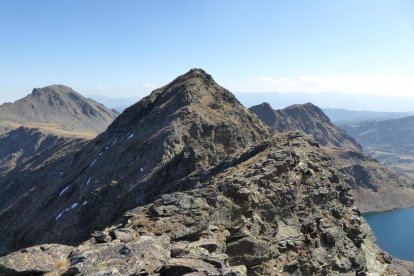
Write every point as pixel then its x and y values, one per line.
pixel 127 48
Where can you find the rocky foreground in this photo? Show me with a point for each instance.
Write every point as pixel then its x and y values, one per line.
pixel 276 208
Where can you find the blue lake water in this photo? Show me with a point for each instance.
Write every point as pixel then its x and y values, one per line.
pixel 394 231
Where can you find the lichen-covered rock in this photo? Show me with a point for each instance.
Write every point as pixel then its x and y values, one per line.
pixel 37 260
pixel 145 254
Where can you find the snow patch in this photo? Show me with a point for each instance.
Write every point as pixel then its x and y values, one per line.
pixel 141 169
pixel 93 162
pixel 84 203
pixel 58 216
pixel 131 135
pixel 73 206
pixel 89 180
pixel 64 190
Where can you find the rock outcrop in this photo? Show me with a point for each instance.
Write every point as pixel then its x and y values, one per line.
pixel 57 110
pixel 375 187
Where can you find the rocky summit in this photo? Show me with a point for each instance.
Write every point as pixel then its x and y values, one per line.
pixel 375 187
pixel 57 110
pixel 188 182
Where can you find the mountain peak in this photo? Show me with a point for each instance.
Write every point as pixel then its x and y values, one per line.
pixel 265 105
pixel 57 108
pixel 195 76
pixel 265 112
pixel 193 92
pixel 197 73
pixel 54 88
pixel 309 108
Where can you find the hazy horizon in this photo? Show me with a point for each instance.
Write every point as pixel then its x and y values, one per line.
pixel 278 100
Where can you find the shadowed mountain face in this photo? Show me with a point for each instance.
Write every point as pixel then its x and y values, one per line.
pixel 375 187
pixel 183 128
pixel 390 141
pixel 59 110
pixel 25 147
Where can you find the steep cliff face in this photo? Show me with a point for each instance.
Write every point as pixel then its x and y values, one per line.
pixel 58 110
pixel 276 207
pixel 375 187
pixel 186 126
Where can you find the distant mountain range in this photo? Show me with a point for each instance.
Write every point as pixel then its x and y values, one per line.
pixel 343 116
pixel 118 104
pixel 57 110
pixel 336 100
pixel 280 100
pixel 390 141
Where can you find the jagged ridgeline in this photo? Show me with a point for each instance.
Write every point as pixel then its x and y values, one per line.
pixel 375 187
pixel 188 181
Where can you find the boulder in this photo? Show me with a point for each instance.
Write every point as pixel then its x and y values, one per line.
pixel 49 258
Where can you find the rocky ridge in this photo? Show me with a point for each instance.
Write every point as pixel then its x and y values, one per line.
pixel 189 182
pixel 277 207
pixel 375 187
pixel 189 125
